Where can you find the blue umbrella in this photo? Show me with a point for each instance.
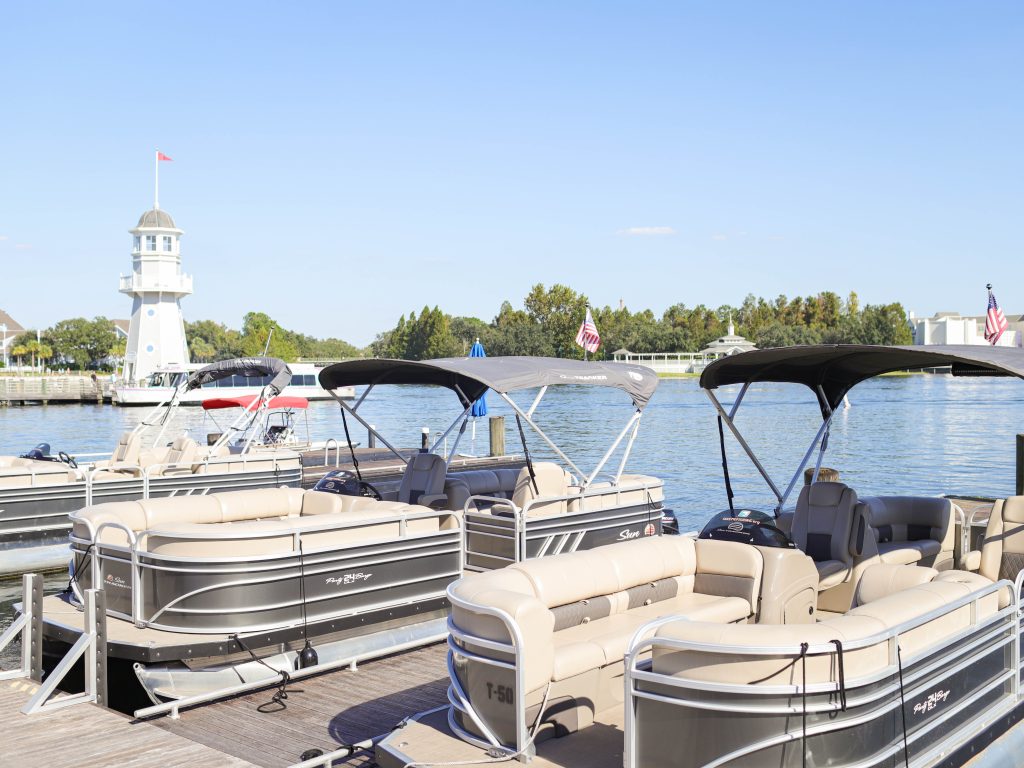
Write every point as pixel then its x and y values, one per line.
pixel 480 404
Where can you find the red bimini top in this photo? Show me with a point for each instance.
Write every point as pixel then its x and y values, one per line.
pixel 246 401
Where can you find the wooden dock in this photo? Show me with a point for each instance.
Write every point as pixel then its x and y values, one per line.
pixel 25 390
pixel 322 712
pixel 85 734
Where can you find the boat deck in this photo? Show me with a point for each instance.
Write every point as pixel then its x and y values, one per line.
pixel 85 734
pixel 322 712
pixel 429 741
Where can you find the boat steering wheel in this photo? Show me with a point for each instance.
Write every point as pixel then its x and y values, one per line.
pixel 69 460
pixel 369 491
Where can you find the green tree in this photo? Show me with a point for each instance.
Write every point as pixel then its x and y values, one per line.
pixel 257 329
pixel 18 351
pixel 84 343
pixel 559 310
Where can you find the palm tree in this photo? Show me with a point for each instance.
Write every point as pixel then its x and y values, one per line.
pixel 39 351
pixel 19 351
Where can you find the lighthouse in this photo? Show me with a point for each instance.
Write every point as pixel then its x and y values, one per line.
pixel 156 332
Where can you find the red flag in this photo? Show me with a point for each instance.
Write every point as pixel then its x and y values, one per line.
pixel 162 156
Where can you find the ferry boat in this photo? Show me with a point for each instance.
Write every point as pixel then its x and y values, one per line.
pixel 161 384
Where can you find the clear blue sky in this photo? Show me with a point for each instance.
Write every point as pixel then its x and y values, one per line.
pixel 338 164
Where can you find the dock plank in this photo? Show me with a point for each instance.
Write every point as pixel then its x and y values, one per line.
pixel 322 712
pixel 85 734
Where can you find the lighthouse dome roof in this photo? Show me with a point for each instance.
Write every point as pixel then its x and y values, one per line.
pixel 156 218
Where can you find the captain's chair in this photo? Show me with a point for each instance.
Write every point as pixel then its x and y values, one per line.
pixel 548 480
pixel 423 480
pixel 128 452
pixel 1002 553
pixel 821 528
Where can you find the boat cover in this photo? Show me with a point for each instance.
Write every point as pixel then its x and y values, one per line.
pixel 475 375
pixel 280 373
pixel 246 401
pixel 837 368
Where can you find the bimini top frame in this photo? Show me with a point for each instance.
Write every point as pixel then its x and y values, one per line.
pixel 278 371
pixel 470 377
pixel 831 371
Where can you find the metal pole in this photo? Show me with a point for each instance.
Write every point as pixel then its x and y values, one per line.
pixel 743 443
pixel 33 644
pixel 99 648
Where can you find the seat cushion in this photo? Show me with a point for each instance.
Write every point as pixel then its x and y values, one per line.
pixel 612 634
pixel 830 573
pixel 900 552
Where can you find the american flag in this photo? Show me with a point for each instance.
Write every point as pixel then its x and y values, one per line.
pixel 588 337
pixel 995 320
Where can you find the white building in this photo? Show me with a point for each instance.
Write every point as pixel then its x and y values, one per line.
pixel 10 329
pixel 156 331
pixel 953 328
pixel 730 344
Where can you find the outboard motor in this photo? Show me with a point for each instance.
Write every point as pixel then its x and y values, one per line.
pixel 40 453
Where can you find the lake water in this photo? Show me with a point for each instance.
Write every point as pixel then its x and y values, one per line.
pixel 917 434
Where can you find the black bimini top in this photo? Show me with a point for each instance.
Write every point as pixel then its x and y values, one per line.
pixel 278 371
pixel 472 376
pixel 837 368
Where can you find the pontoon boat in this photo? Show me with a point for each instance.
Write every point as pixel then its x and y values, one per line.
pixel 849 632
pixel 546 507
pixel 38 491
pixel 194 584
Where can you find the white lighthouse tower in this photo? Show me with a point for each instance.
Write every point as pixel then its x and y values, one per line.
pixel 156 333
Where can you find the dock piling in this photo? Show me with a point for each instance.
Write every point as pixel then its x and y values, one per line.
pixel 497 427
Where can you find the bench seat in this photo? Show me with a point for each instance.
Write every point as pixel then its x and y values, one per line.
pixel 576 614
pixel 253 523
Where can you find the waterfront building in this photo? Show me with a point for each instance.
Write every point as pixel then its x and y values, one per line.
pixel 730 344
pixel 954 328
pixel 669 363
pixel 156 330
pixel 10 329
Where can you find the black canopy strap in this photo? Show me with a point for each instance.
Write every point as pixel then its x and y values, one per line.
pixel 351 448
pixel 842 673
pixel 526 453
pixel 725 464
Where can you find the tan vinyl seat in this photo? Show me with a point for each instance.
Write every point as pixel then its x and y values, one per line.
pixel 248 522
pixel 179 458
pixel 549 480
pixel 822 526
pixel 459 486
pixel 882 580
pixel 577 612
pixel 912 529
pixel 423 479
pixel 128 450
pixel 1002 553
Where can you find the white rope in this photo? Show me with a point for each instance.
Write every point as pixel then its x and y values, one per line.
pixel 493 760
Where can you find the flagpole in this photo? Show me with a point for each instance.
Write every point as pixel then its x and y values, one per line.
pixel 156 179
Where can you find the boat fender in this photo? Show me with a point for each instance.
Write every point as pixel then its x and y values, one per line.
pixel 308 656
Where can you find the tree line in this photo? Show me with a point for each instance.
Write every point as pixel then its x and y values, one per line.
pixel 550 317
pixel 545 325
pixel 84 344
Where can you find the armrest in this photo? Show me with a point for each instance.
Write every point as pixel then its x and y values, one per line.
pixel 972 561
